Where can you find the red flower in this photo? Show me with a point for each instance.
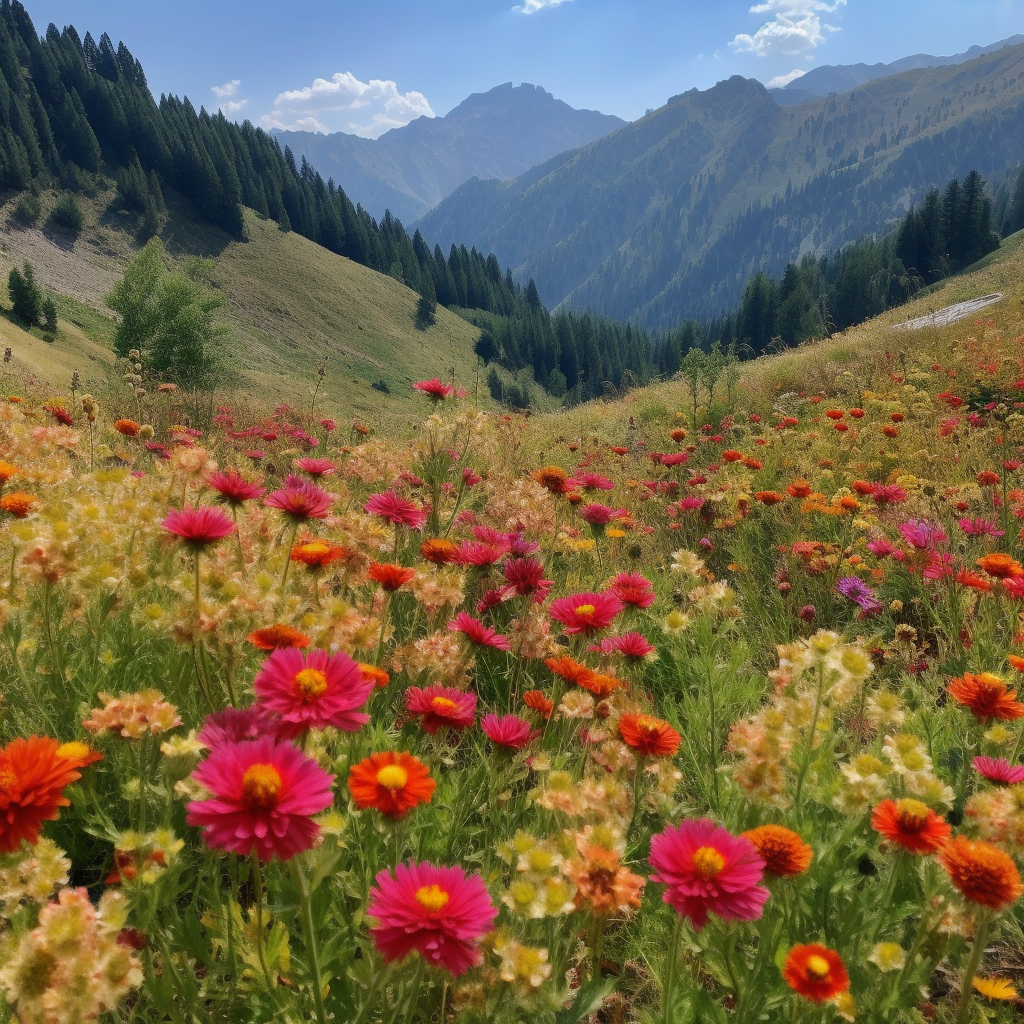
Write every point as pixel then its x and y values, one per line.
pixel 815 972
pixel 441 707
pixel 391 577
pixel 478 633
pixel 199 527
pixel 633 589
pixel 272 638
pixel 587 612
pixel 508 731
pixel 434 388
pixel 649 736
pixel 535 700
pixel 396 510
pixel 911 825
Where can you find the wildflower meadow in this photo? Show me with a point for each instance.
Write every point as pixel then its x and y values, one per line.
pixel 706 715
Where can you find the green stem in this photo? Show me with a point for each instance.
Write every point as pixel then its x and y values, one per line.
pixel 375 986
pixel 309 935
pixel 261 952
pixel 809 752
pixel 288 561
pixel 671 968
pixel 966 983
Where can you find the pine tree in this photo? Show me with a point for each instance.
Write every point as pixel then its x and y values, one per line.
pixel 26 298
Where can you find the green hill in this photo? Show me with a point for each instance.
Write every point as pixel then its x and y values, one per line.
pixel 292 306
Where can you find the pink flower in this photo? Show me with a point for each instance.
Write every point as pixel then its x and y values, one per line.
pixel 315 467
pixel 589 482
pixel 508 731
pixel 479 554
pixel 434 388
pixel 476 632
pixel 441 706
pixel 999 770
pixel 921 534
pixel 633 589
pixel 587 612
pixel 707 869
pixel 525 576
pixel 600 515
pixel 396 510
pixel 440 911
pixel 300 500
pixel 263 795
pixel 199 527
pixel 314 690
pixel 233 488
pixel 673 459
pixel 629 645
pixel 233 725
pixel 979 527
pixel 888 494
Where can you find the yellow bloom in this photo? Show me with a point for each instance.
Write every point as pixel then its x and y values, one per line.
pixel 994 988
pixel 888 956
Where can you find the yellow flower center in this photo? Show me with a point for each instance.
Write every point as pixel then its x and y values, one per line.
pixel 432 897
pixel 392 776
pixel 310 683
pixel 585 609
pixel 707 862
pixel 817 967
pixel 442 705
pixel 315 549
pixel 261 785
pixel 647 724
pixel 73 751
pixel 912 814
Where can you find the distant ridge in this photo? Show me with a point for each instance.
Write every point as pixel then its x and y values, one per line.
pixel 495 134
pixel 830 78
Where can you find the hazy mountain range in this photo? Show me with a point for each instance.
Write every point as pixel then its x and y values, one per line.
pixel 496 134
pixel 819 82
pixel 670 215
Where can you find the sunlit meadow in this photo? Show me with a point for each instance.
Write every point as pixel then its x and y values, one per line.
pixel 709 716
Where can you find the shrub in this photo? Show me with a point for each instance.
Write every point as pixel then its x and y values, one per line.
pixel 67 214
pixel 28 210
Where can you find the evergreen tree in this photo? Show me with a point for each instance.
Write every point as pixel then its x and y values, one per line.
pixel 26 298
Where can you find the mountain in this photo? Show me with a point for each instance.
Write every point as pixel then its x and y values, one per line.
pixel 669 216
pixel 495 134
pixel 819 82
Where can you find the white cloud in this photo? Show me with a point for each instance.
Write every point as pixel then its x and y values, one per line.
pixel 227 89
pixel 381 106
pixel 796 26
pixel 233 106
pixel 532 6
pixel 781 81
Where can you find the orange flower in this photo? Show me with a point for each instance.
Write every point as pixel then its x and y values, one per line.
pixel 603 885
pixel 815 972
pixel 1016 662
pixel 127 427
pixel 799 488
pixel 570 670
pixel 986 696
pixel 1001 566
pixel 849 503
pixel 986 478
pixel 393 783
pixel 862 487
pixel 731 455
pixel 600 685
pixel 649 736
pixel 983 873
pixel 910 824
pixel 890 431
pixel 834 414
pixel 440 550
pixel 390 576
pixel 785 854
pixel 33 775
pixel 551 478
pixel 18 504
pixel 378 675
pixel 317 554
pixel 273 638
pixel 535 700
pixel 769 497
pixel 6 472
pixel 677 435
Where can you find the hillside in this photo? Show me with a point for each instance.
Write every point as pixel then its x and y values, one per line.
pixel 496 134
pixel 293 306
pixel 820 81
pixel 671 215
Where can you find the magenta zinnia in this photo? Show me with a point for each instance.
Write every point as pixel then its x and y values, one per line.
pixel 263 795
pixel 440 911
pixel 396 510
pixel 508 731
pixel 708 870
pixel 199 527
pixel 587 612
pixel 478 633
pixel 300 500
pixel 441 706
pixel 233 488
pixel 315 690
pixel 999 770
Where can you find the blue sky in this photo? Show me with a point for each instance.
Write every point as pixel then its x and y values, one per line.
pixel 342 65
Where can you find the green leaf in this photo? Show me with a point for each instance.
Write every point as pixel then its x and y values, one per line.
pixel 588 1000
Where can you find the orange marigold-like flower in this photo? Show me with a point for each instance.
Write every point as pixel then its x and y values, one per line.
pixel 986 696
pixel 603 885
pixel 649 736
pixel 535 700
pixel 273 638
pixel 378 675
pixel 317 554
pixel 815 972
pixel 391 577
pixel 439 550
pixel 569 669
pixel 1016 662
pixel 127 427
pixel 393 783
pixel 986 478
pixel 6 472
pixel 799 488
pixel 677 435
pixel 785 854
pixel 911 825
pixel 769 497
pixel 551 478
pixel 18 504
pixel 600 684
pixel 731 455
pixel 1001 566
pixel 983 873
pixel 862 487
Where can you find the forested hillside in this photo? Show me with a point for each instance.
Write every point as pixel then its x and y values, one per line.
pixel 673 214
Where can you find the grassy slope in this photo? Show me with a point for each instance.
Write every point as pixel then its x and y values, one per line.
pixel 293 307
pixel 818 366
